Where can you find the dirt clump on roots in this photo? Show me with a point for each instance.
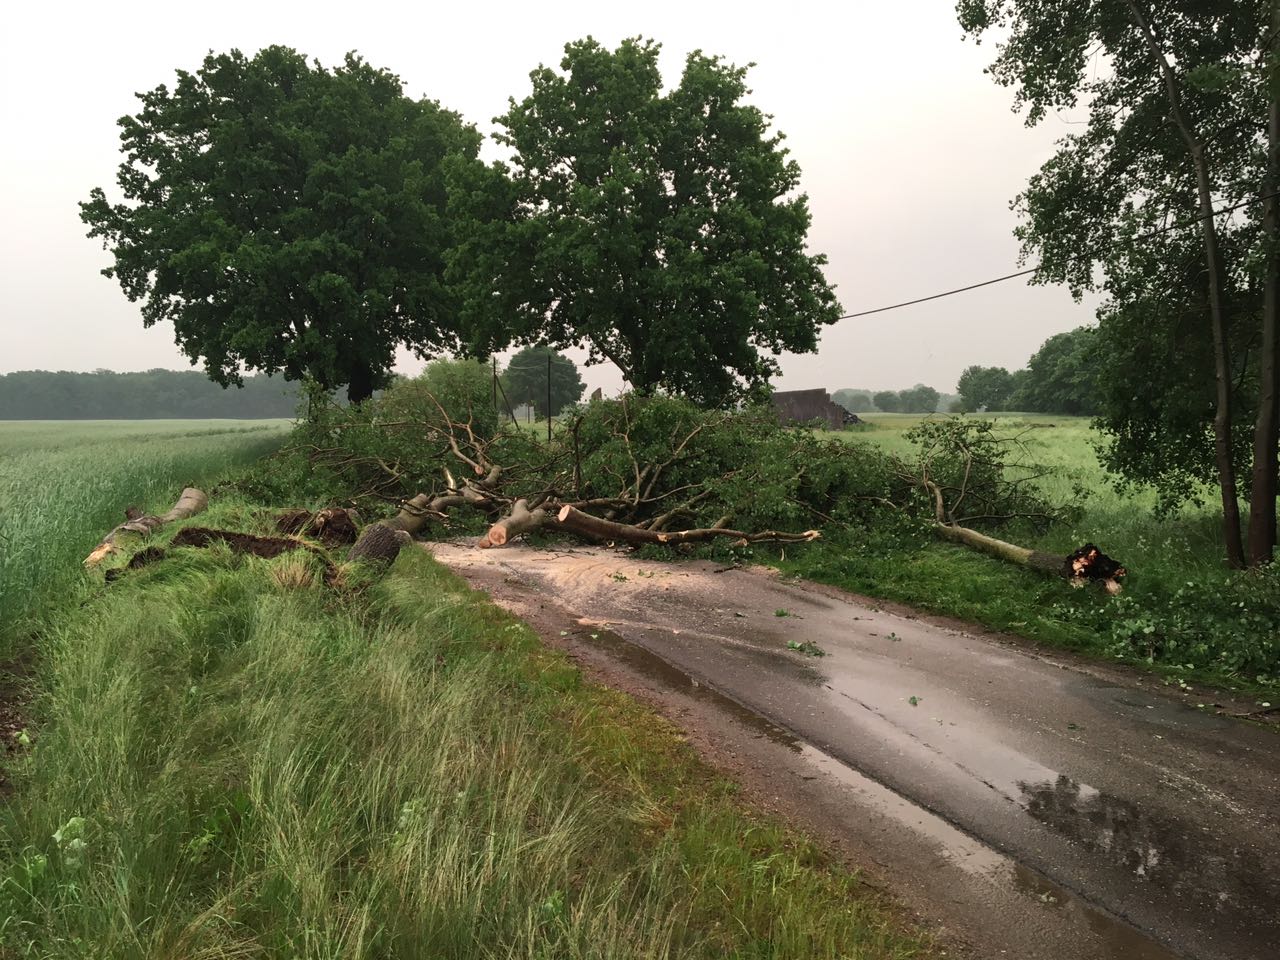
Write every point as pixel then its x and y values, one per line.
pixel 332 526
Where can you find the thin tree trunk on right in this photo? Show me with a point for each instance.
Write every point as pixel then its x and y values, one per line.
pixel 1262 505
pixel 1213 266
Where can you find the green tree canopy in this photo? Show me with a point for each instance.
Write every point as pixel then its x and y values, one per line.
pixel 887 400
pixel 525 380
pixel 1062 376
pixel 919 399
pixel 985 388
pixel 855 401
pixel 1178 104
pixel 463 388
pixel 660 230
pixel 287 217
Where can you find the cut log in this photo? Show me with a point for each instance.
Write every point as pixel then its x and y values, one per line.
pixel 1082 566
pixel 522 520
pixel 576 521
pixel 383 540
pixel 191 502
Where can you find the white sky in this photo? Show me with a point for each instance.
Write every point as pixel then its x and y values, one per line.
pixel 909 153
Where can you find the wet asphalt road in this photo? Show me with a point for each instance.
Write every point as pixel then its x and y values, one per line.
pixel 1155 811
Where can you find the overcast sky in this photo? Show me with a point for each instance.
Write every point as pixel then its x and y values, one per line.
pixel 910 155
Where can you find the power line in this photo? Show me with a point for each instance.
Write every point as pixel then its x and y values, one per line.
pixel 1022 273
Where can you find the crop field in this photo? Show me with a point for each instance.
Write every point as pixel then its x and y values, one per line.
pixel 63 484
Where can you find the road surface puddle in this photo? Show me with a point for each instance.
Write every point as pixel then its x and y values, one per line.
pixel 1184 864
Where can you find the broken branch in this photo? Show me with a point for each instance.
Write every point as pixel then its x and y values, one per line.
pixel 191 502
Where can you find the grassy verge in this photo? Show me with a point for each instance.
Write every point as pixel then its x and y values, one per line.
pixel 63 484
pixel 1182 613
pixel 235 760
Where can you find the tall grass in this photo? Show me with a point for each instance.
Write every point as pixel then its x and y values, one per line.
pixel 237 761
pixel 63 484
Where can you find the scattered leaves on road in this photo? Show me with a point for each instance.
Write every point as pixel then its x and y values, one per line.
pixel 808 648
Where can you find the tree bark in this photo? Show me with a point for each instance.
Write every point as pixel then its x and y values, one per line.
pixel 360 386
pixel 191 502
pixel 575 521
pixel 382 540
pixel 1051 563
pixel 1262 503
pixel 1221 352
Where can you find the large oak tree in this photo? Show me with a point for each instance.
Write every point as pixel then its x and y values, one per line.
pixel 661 230
pixel 287 217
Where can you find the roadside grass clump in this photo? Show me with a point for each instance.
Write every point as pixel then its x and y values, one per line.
pixel 65 484
pixel 235 760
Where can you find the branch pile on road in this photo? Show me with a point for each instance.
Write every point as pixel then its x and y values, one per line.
pixel 639 471
pixel 661 471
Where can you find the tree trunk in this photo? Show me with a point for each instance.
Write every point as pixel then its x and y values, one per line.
pixel 1262 505
pixel 383 540
pixel 360 386
pixel 1222 376
pixel 1087 563
pixel 1001 549
pixel 1218 328
pixel 573 520
pixel 137 525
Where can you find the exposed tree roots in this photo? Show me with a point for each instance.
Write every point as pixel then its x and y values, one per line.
pixel 332 526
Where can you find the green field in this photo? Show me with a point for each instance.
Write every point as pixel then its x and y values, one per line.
pixel 1123 525
pixel 63 484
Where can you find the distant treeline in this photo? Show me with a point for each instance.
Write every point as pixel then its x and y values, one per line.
pixel 145 395
pixel 917 399
pixel 1061 377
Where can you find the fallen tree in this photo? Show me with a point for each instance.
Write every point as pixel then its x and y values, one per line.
pixel 138 525
pixel 657 471
pixel 965 463
pixel 634 472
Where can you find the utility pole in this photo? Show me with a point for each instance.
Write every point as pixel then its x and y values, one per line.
pixel 548 396
pixel 495 384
